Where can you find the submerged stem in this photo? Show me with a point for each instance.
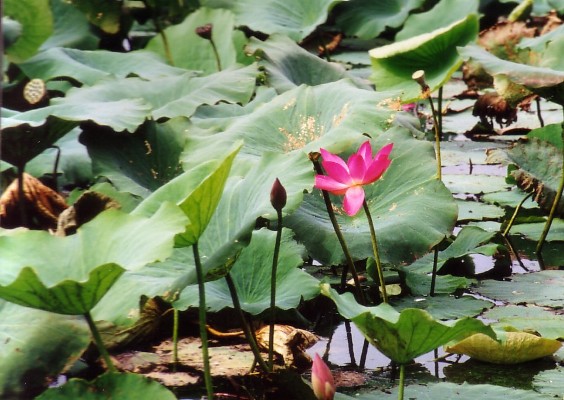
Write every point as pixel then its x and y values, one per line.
pixel 340 237
pixel 246 328
pixel 376 253
pixel 99 343
pixel 273 289
pixel 202 321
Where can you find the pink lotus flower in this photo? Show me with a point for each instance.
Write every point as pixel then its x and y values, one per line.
pixel 322 380
pixel 349 178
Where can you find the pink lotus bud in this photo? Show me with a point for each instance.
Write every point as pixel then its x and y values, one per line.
pixel 322 380
pixel 205 31
pixel 278 195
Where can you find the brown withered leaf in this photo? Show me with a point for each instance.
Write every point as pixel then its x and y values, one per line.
pixel 491 106
pixel 86 207
pixel 289 342
pixel 42 205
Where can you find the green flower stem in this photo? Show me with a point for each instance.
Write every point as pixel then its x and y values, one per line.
pixel 246 328
pixel 517 209
pixel 216 54
pixel 99 343
pixel 203 322
pixel 340 237
pixel 375 250
pixel 273 289
pixel 434 274
pixel 401 382
pixel 175 339
pixel 557 198
pixel 160 30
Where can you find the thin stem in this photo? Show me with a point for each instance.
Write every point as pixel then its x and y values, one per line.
pixel 350 341
pixel 340 237
pixel 401 382
pixel 434 274
pixel 160 30
pixel 363 354
pixel 56 168
pixel 517 209
pixel 437 138
pixel 21 196
pixel 376 253
pixel 273 290
pixel 216 54
pixel 99 343
pixel 557 198
pixel 203 322
pixel 539 115
pixel 175 339
pixel 246 328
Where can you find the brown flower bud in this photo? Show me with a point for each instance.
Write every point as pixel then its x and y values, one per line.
pixel 278 195
pixel 205 31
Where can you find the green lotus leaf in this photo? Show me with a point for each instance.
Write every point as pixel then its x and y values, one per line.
pixel 138 162
pixel 105 15
pixel 288 65
pixel 470 240
pixel 543 288
pixel 11 31
pixel 26 135
pixel 539 166
pixel 444 13
pixel 516 348
pixel 293 18
pixel 533 231
pixel 197 192
pixel 444 306
pixel 394 64
pixel 71 274
pixel 110 386
pixel 547 82
pixel 89 67
pixel 469 210
pixel 251 275
pixel 406 335
pixel 367 19
pixel 412 210
pixel 190 51
pixel 550 382
pixel 34 30
pixel 70 28
pixel 31 351
pixel 529 318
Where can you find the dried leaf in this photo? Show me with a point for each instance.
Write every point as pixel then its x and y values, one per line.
pixel 86 207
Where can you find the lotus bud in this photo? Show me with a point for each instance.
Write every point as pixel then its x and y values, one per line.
pixel 322 380
pixel 205 31
pixel 278 195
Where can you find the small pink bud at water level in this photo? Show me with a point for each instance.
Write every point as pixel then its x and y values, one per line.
pixel 278 195
pixel 322 380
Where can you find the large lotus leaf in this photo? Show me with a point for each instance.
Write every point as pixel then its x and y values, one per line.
pixel 533 231
pixel 539 170
pixel 34 30
pixel 71 28
pixel 444 307
pixel 547 82
pixel 70 274
pixel 101 13
pixel 332 115
pixel 529 318
pixel 550 382
pixel 466 391
pixel 406 335
pixel 293 18
pixel 88 67
pixel 110 386
pixel 31 351
pixel 367 19
pixel 412 210
pixel 26 135
pixel 394 64
pixel 444 13
pixel 516 347
pixel 251 275
pixel 138 162
pixel 470 240
pixel 197 192
pixel 542 288
pixel 244 200
pixel 288 65
pixel 191 51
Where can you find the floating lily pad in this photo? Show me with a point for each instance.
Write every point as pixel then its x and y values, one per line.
pixel 516 347
pixel 445 307
pixel 531 319
pixel 476 211
pixel 542 288
pixel 550 382
pixel 475 184
pixel 534 230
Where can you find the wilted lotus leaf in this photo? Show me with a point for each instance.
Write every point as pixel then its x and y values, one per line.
pixel 518 347
pixel 289 342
